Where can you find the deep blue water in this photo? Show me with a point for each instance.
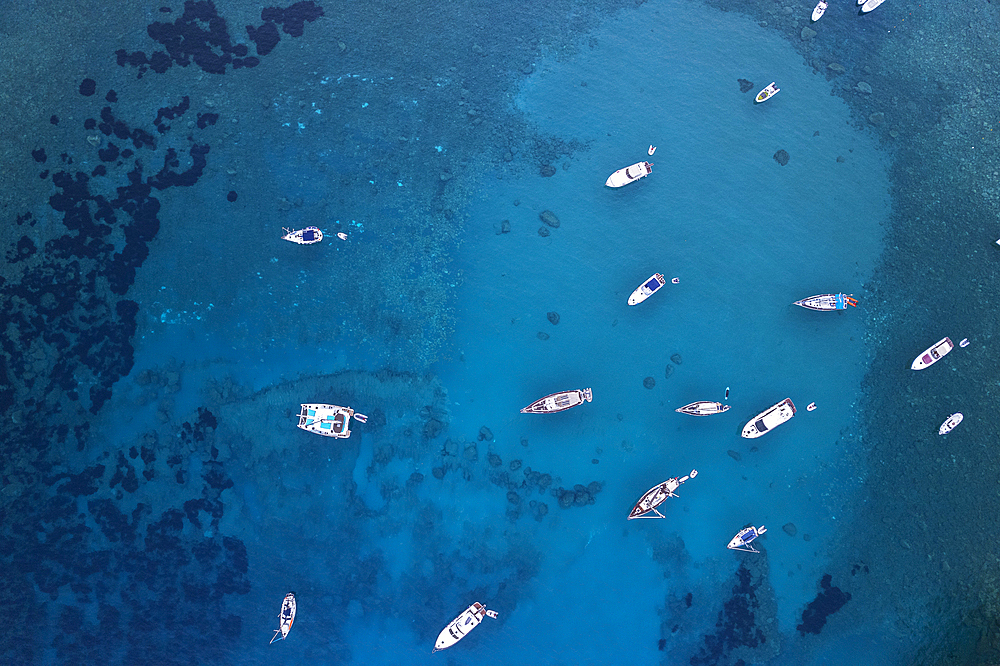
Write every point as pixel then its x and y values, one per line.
pixel 158 501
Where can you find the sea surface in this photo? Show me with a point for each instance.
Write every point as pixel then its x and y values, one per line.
pixel 159 336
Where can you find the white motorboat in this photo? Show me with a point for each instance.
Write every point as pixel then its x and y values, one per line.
pixel 629 174
pixel 826 302
pixel 703 408
pixel 461 626
pixel 767 93
pixel 306 236
pixel 769 419
pixel 657 495
pixel 869 5
pixel 932 354
pixel 285 618
pixel 647 289
pixel 558 402
pixel 329 420
pixel 742 541
pixel 818 10
pixel 950 423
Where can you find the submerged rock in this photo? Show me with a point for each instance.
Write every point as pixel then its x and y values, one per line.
pixel 735 455
pixel 542 335
pixel 485 434
pixel 826 603
pixel 549 218
pixel 676 358
pixel 669 371
pixel 649 382
pixel 543 232
pixel 547 171
pixel 553 317
pixel 745 86
pixel 494 460
pixel 781 157
pixel 790 529
pixel 504 227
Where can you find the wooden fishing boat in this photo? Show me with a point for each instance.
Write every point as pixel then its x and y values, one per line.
pixel 328 420
pixel 703 408
pixel 559 402
pixel 657 495
pixel 285 618
pixel 769 419
pixel 826 302
pixel 306 236
pixel 932 354
pixel 461 626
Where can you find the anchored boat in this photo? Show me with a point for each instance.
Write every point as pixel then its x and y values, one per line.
pixel 647 288
pixel 329 420
pixel 558 402
pixel 950 423
pixel 769 419
pixel 629 174
pixel 703 408
pixel 461 626
pixel 869 5
pixel 932 354
pixel 767 93
pixel 742 541
pixel 819 10
pixel 824 302
pixel 306 236
pixel 657 495
pixel 285 618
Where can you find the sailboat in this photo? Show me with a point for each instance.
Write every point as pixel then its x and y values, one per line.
pixel 742 541
pixel 657 495
pixel 285 618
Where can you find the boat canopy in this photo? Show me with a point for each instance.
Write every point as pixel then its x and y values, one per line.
pixel 759 425
pixel 653 284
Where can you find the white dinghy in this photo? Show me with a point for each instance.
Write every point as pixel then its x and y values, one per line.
pixel 461 626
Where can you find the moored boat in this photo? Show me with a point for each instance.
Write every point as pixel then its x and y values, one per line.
pixel 932 354
pixel 657 495
pixel 462 625
pixel 869 5
pixel 828 302
pixel 629 174
pixel 558 402
pixel 328 420
pixel 306 236
pixel 647 289
pixel 769 419
pixel 767 93
pixel 950 423
pixel 742 541
pixel 703 408
pixel 285 618
pixel 818 10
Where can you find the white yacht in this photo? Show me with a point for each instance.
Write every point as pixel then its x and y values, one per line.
pixel 769 419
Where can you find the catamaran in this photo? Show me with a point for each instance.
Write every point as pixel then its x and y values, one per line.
pixel 742 540
pixel 329 420
pixel 657 495
pixel 285 618
pixel 461 626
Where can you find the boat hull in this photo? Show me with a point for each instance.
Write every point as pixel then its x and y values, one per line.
pixel 460 627
pixel 559 402
pixel 649 287
pixel 286 618
pixel 326 420
pixel 827 302
pixel 769 419
pixel 767 93
pixel 744 539
pixel 307 236
pixel 703 408
pixel 950 423
pixel 932 354
pixel 629 174
pixel 657 495
pixel 818 12
pixel 870 5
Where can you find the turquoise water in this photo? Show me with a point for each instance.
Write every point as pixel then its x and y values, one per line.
pixel 165 520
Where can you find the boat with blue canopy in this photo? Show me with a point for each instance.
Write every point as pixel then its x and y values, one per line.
pixel 328 420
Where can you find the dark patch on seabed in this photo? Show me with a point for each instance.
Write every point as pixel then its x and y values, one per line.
pixel 67 340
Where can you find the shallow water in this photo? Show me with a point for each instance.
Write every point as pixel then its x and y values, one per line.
pixel 158 500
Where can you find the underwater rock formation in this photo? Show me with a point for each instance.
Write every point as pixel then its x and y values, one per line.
pixel 549 218
pixel 781 157
pixel 745 86
pixel 553 318
pixel 827 602
pixel 649 382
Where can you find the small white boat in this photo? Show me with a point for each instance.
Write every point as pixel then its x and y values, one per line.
pixel 629 174
pixel 461 626
pixel 285 618
pixel 767 93
pixel 742 541
pixel 703 408
pixel 819 10
pixel 769 419
pixel 647 289
pixel 306 236
pixel 932 354
pixel 826 302
pixel 558 402
pixel 811 407
pixel 950 423
pixel 869 5
pixel 657 495
pixel 329 420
